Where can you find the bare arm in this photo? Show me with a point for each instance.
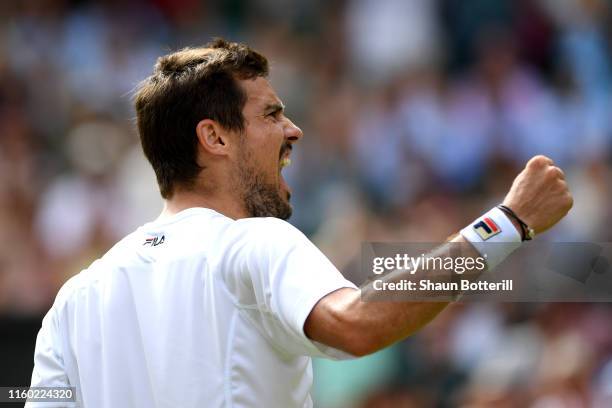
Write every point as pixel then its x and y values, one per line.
pixel 539 195
pixel 371 326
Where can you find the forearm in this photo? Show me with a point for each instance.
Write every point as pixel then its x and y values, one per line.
pixel 369 326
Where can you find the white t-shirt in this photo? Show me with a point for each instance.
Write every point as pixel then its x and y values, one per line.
pixel 197 310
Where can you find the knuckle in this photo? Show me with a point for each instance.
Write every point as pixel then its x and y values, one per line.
pixel 539 161
pixel 552 174
pixel 557 172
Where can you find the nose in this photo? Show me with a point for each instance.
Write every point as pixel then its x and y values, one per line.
pixel 292 132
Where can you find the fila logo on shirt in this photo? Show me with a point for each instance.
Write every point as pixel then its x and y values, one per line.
pixel 154 241
pixel 486 228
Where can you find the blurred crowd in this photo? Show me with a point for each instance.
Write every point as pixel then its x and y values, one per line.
pixel 417 115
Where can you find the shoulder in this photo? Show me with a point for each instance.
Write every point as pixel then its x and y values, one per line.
pixel 268 234
pixel 73 286
pixel 256 241
pixel 269 228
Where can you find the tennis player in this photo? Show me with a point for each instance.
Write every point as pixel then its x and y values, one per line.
pixel 220 302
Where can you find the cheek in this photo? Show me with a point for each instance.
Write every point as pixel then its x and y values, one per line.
pixel 266 147
pixel 272 144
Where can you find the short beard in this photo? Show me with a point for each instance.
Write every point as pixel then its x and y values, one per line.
pixel 261 199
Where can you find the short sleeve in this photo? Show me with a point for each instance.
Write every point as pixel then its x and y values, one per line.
pixel 279 277
pixel 48 363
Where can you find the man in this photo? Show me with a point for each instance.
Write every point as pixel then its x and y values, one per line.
pixel 219 302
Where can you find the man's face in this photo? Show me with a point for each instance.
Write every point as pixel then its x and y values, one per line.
pixel 264 150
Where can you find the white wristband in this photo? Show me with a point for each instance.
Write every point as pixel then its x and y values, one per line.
pixel 495 228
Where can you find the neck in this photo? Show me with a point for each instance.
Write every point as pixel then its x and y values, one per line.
pixel 221 203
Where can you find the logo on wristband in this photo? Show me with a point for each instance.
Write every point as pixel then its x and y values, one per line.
pixel 486 228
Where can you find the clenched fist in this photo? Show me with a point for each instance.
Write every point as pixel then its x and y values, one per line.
pixel 539 195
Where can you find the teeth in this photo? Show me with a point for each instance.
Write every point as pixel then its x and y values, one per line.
pixel 285 162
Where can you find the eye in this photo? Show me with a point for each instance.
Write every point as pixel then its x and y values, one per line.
pixel 274 115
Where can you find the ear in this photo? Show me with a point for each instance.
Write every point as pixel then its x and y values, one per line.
pixel 212 137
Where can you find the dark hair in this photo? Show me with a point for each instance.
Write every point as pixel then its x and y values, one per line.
pixel 187 86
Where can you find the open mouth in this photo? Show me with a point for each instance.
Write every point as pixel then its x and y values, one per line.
pixel 284 161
